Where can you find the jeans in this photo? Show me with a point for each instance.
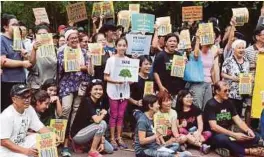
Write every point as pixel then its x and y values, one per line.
pixel 117 111
pixel 151 152
pixel 236 147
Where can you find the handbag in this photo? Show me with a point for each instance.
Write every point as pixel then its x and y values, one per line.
pixel 194 70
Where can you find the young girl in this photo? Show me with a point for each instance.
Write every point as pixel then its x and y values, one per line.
pixel 119 93
pixel 191 122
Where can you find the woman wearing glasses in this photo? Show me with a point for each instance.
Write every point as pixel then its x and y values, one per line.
pixel 89 124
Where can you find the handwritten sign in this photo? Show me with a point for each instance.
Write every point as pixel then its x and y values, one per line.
pixel 96 51
pixel 47 47
pixel 142 22
pixel 160 121
pixel 96 12
pixel 17 42
pixel 185 40
pixel 207 33
pixel 107 9
pixel 134 8
pixel 40 15
pixel 124 19
pixel 59 126
pixel 192 13
pixel 72 59
pixel 76 12
pixel 178 66
pixel 149 87
pixel 241 15
pixel 46 145
pixel 138 44
pixel 126 69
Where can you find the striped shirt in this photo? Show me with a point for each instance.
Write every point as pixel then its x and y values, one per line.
pixel 251 55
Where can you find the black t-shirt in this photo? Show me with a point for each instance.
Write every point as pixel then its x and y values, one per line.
pixel 221 112
pixel 190 116
pixel 137 88
pixel 162 66
pixel 84 114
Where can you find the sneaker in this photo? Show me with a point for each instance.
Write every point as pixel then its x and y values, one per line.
pixel 114 145
pixel 205 148
pixel 94 154
pixel 185 154
pixel 65 152
pixel 223 152
pixel 121 144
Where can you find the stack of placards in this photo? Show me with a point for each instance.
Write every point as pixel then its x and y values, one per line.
pixel 124 19
pixel 40 15
pixel 17 40
pixel 138 44
pixel 134 8
pixel 72 59
pixel 164 24
pixel 46 145
pixel 192 13
pixel 185 40
pixel 106 9
pixel 76 12
pixel 207 33
pixel 142 22
pixel 59 125
pixel 149 87
pixel 241 15
pixel 96 52
pixel 245 83
pixel 47 47
pixel 178 66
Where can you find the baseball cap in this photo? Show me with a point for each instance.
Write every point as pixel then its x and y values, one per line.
pixel 19 89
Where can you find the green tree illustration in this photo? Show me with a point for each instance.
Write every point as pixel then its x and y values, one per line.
pixel 125 73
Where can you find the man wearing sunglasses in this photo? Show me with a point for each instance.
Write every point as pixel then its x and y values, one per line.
pixel 15 122
pixel 219 115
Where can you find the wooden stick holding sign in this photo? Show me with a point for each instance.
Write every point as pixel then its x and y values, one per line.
pixel 47 48
pixel 40 15
pixel 245 84
pixel 46 145
pixel 17 43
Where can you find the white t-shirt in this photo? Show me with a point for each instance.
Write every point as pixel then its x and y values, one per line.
pixel 14 126
pixel 115 91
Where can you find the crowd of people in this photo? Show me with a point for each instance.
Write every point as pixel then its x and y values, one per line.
pixel 208 114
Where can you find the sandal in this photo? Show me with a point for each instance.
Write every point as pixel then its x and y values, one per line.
pixel 114 144
pixel 94 154
pixel 259 151
pixel 121 143
pixel 65 152
pixel 223 152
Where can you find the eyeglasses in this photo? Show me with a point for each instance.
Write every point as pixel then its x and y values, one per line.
pixel 96 81
pixel 73 38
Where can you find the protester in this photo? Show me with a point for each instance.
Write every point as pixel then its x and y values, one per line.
pixel 83 39
pixel 219 115
pixel 61 41
pixel 27 42
pixel 110 33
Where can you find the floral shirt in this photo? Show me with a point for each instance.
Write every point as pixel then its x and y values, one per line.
pixel 232 68
pixel 69 82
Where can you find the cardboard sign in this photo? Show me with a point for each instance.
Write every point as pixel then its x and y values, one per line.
pixel 47 48
pixel 178 66
pixel 124 19
pixel 245 84
pixel 138 44
pixel 160 121
pixel 142 22
pixel 185 40
pixel 258 87
pixel 17 40
pixel 59 126
pixel 40 15
pixel 192 13
pixel 149 87
pixel 134 8
pixel 46 145
pixel 76 12
pixel 96 9
pixel 126 69
pixel 163 20
pixel 96 52
pixel 72 59
pixel 107 9
pixel 207 33
pixel 241 15
pixel 164 30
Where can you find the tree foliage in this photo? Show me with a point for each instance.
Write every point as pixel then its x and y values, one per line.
pixel 125 73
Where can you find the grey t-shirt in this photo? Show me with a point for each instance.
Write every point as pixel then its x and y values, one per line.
pixel 11 74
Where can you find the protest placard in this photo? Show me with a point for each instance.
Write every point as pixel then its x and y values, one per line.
pixel 160 123
pixel 163 20
pixel 59 126
pixel 96 12
pixel 178 66
pixel 164 30
pixel 142 22
pixel 40 15
pixel 241 15
pixel 126 69
pixel 149 87
pixel 72 59
pixel 96 52
pixel 47 48
pixel 76 12
pixel 207 33
pixel 17 40
pixel 185 40
pixel 138 44
pixel 245 83
pixel 124 19
pixel 192 13
pixel 46 145
pixel 134 8
pixel 107 9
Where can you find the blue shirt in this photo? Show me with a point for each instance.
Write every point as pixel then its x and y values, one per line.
pixel 11 74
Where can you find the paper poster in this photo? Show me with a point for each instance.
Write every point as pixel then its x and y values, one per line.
pixel 72 62
pixel 96 9
pixel 142 22
pixel 138 44
pixel 207 33
pixel 258 87
pixel 149 87
pixel 46 145
pixel 245 84
pixel 160 123
pixel 40 15
pixel 164 30
pixel 76 12
pixel 134 8
pixel 241 15
pixel 17 41
pixel 192 13
pixel 178 66
pixel 47 48
pixel 185 40
pixel 96 52
pixel 126 69
pixel 60 127
pixel 124 19
pixel 107 9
